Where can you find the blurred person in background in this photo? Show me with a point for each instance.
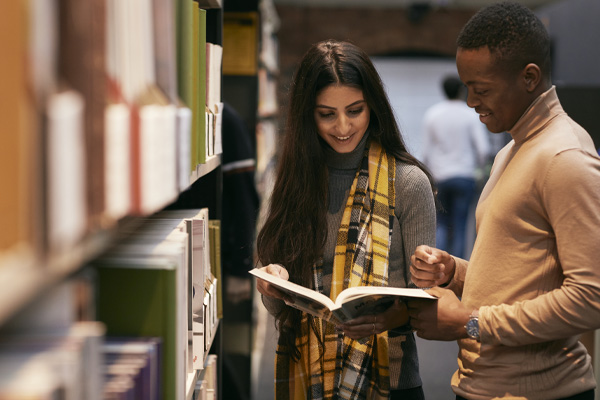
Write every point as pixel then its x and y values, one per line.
pixel 456 149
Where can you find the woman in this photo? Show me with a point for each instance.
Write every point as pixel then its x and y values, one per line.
pixel 344 170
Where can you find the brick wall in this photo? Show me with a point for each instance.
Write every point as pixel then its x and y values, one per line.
pixel 379 31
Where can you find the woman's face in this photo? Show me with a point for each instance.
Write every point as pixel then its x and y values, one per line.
pixel 342 117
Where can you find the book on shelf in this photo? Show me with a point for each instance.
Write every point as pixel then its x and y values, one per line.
pixel 117 174
pixel 65 363
pixel 166 238
pixel 172 248
pixel 214 226
pixel 210 3
pixel 184 148
pixel 66 210
pixel 208 137
pixel 185 68
pixel 117 117
pixel 349 304
pixel 240 38
pixel 132 364
pixel 214 62
pixel 19 208
pixel 57 308
pixel 154 152
pixel 195 222
pixel 144 277
pixel 214 106
pixel 219 129
pixel 267 94
pixel 206 387
pixel 199 147
pixel 198 122
pixel 163 18
pixel 141 78
pixel 140 297
pixel 82 65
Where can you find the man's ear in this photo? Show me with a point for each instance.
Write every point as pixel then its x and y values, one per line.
pixel 532 77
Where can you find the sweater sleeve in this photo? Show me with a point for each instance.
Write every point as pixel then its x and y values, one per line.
pixel 415 212
pixel 457 282
pixel 571 196
pixel 272 304
pixel 415 220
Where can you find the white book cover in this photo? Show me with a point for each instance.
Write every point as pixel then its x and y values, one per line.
pixel 183 138
pixel 117 160
pixel 219 129
pixel 67 209
pixel 157 157
pixel 166 184
pixel 203 216
pixel 210 134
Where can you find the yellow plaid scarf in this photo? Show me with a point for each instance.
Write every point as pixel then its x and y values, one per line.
pixel 333 366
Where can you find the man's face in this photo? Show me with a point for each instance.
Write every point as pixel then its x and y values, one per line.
pixel 496 93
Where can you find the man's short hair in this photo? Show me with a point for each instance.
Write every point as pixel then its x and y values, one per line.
pixel 452 86
pixel 512 32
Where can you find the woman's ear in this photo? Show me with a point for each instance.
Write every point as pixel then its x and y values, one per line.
pixel 532 76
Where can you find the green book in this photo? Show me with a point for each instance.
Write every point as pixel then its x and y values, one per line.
pixel 141 297
pixel 214 226
pixel 201 88
pixel 185 65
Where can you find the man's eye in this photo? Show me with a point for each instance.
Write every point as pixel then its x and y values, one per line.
pixel 480 92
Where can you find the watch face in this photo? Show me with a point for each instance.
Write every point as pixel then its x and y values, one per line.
pixel 473 328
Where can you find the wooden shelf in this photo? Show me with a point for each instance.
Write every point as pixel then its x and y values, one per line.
pixel 211 164
pixel 23 279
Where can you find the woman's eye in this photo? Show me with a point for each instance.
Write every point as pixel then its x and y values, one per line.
pixel 356 111
pixel 325 115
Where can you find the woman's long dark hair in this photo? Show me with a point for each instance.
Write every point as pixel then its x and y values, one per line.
pixel 295 229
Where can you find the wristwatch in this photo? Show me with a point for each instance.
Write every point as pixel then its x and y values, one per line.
pixel 472 325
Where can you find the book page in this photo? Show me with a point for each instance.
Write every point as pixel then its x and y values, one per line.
pixel 305 299
pixel 369 300
pixel 366 291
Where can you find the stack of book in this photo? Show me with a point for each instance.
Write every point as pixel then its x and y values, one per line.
pixel 160 279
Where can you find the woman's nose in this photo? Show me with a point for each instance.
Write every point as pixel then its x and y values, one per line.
pixel 344 124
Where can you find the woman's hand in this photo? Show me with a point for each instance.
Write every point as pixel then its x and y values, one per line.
pixel 368 325
pixel 266 289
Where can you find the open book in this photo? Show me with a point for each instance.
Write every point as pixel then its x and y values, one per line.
pixel 350 303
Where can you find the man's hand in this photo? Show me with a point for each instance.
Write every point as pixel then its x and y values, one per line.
pixel 431 267
pixel 443 319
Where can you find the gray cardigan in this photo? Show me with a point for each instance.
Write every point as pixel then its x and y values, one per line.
pixel 415 225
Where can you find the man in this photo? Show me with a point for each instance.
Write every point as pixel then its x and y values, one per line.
pixel 532 284
pixel 456 145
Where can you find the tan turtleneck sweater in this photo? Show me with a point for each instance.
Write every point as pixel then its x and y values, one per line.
pixel 534 274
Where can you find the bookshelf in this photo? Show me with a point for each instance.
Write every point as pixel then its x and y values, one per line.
pixel 111 115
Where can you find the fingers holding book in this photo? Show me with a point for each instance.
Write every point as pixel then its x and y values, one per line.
pixel 267 289
pixel 373 324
